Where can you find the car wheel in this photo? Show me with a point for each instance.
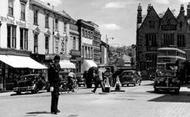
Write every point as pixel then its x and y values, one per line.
pixel 134 84
pixel 18 92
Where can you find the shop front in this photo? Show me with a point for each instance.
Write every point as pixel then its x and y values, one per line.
pixel 13 66
pixel 76 59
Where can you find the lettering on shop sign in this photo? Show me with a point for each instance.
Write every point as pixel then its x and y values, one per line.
pixel 11 21
pixel 62 46
pixel 21 24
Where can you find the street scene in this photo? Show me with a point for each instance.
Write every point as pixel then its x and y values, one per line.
pixel 138 101
pixel 101 58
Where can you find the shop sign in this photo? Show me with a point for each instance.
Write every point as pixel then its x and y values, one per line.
pixel 11 21
pixel 75 53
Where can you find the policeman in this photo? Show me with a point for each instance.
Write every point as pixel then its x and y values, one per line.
pixel 53 76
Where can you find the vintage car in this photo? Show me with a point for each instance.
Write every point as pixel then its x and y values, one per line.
pixel 130 77
pixel 166 80
pixel 30 82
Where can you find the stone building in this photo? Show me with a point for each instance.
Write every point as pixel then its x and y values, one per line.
pixel 86 37
pixel 96 43
pixel 49 31
pixel 160 30
pixel 74 45
pixel 15 43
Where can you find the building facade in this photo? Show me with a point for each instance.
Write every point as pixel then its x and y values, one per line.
pixel 49 32
pixel 86 37
pixel 160 30
pixel 96 43
pixel 73 45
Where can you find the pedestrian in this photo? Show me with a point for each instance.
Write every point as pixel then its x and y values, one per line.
pixel 71 77
pixel 53 76
pixel 98 79
pixel 108 74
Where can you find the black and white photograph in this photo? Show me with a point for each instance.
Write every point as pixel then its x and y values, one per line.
pixel 94 58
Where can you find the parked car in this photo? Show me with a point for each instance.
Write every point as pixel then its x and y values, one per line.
pixel 30 82
pixel 130 77
pixel 166 80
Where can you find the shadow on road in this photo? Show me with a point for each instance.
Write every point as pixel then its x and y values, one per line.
pixel 38 112
pixel 27 93
pixel 183 96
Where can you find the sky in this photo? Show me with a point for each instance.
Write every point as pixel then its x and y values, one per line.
pixel 116 18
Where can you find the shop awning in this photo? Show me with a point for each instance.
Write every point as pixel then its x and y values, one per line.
pixel 21 62
pixel 88 64
pixel 66 64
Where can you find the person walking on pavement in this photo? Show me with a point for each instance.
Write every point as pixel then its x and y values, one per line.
pixel 98 79
pixel 108 74
pixel 53 77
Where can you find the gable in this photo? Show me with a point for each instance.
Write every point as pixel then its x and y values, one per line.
pixel 168 18
pixel 169 21
pixel 151 17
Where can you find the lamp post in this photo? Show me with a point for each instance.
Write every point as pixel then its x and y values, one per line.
pixel 107 42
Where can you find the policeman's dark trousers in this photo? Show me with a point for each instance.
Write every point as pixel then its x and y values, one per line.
pixel 97 84
pixel 54 101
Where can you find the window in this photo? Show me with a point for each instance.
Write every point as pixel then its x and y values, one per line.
pixel 35 17
pixel 23 39
pixel 23 11
pixel 11 8
pixel 168 39
pixel 85 33
pixel 56 24
pixel 82 32
pixel 47 44
pixel 47 21
pixel 11 36
pixel 57 45
pixel 180 40
pixel 74 43
pixel 65 27
pixel 35 43
pixel 151 40
pixel 180 24
pixel 82 51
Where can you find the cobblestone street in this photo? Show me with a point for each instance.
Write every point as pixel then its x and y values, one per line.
pixel 139 101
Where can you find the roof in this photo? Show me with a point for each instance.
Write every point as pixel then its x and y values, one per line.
pixel 47 6
pixel 170 48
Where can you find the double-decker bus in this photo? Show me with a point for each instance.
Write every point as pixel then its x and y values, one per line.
pixel 169 61
pixel 170 55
